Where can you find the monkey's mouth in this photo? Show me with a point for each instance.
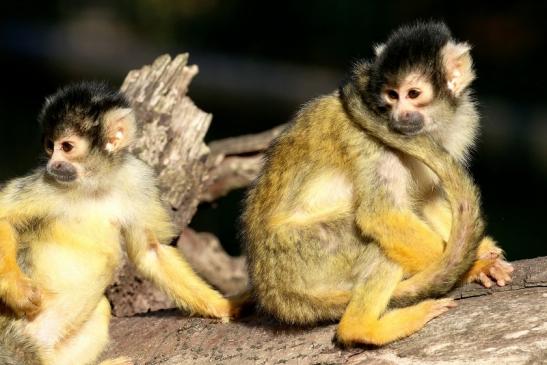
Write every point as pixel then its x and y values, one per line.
pixel 62 178
pixel 407 129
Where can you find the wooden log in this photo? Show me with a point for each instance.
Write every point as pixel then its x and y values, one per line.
pixel 490 326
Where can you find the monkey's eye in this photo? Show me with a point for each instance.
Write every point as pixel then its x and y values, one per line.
pixel 67 146
pixel 392 94
pixel 48 144
pixel 414 93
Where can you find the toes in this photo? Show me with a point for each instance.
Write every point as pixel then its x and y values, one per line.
pixel 505 271
pixel 447 302
pixel 484 280
pixel 497 275
pixel 440 306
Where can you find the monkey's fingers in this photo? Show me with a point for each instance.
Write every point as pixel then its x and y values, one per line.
pixel 24 297
pixel 501 271
pixel 485 280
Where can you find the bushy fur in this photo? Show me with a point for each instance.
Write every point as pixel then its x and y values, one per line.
pixel 78 108
pixel 68 238
pixel 344 209
pixel 415 47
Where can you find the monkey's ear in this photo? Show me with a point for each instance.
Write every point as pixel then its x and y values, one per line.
pixel 458 66
pixel 119 128
pixel 378 49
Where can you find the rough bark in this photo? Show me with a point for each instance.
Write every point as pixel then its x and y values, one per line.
pixel 235 162
pixel 490 326
pixel 171 129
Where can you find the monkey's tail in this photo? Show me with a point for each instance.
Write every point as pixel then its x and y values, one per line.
pixel 465 235
pixel 462 194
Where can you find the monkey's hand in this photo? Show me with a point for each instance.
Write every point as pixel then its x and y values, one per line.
pixel 21 294
pixel 490 266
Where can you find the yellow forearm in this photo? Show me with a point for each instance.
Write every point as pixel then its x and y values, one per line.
pixel 404 238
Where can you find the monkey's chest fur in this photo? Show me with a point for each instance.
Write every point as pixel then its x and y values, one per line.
pixel 72 261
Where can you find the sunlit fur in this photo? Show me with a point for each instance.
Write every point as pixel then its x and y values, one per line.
pixel 68 240
pixel 345 209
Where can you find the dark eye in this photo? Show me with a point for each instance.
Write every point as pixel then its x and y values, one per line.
pixel 413 93
pixel 48 144
pixel 392 94
pixel 67 146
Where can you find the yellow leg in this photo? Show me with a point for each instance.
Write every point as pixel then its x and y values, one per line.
pixel 85 345
pixel 165 266
pixel 16 289
pixel 365 320
pixel 404 238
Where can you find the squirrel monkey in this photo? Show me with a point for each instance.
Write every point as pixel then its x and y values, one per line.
pixel 364 210
pixel 61 229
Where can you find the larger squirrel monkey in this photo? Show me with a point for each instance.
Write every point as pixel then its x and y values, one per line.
pixel 61 229
pixel 364 211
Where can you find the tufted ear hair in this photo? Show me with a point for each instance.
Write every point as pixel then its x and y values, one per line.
pixel 379 48
pixel 119 128
pixel 458 66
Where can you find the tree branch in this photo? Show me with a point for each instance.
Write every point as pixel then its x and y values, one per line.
pixel 508 326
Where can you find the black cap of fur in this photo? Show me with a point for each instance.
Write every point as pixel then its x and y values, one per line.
pixel 78 108
pixel 410 48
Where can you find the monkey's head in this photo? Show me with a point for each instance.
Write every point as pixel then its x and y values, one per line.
pixel 417 78
pixel 87 128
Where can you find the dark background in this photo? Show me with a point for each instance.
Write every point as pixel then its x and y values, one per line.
pixel 259 61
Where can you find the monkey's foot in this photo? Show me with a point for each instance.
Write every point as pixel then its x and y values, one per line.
pixel 436 307
pixel 490 267
pixel 22 295
pixel 232 307
pixel 118 361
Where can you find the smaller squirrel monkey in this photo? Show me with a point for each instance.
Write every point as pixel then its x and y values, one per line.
pixel 364 211
pixel 61 230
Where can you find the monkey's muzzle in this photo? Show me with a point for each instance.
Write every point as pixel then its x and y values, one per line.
pixel 408 124
pixel 62 171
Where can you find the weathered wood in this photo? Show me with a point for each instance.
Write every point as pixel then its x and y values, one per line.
pixel 235 162
pixel 172 129
pixel 245 144
pixel 493 326
pixel 203 250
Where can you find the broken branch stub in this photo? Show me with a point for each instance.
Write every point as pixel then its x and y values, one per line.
pixel 172 129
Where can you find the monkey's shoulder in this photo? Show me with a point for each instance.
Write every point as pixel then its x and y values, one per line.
pixel 22 192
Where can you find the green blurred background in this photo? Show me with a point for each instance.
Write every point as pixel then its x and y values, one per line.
pixel 259 61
